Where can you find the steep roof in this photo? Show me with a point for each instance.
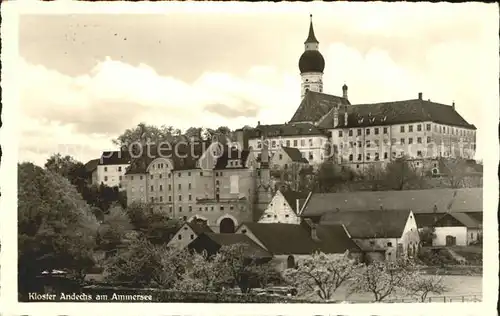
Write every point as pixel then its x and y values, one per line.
pixel 294 154
pixel 91 165
pixel 419 201
pixel 199 227
pixel 231 153
pixel 252 250
pixel 286 130
pixel 315 105
pixel 466 220
pixel 282 239
pixel 291 197
pixel 427 219
pixel 184 156
pixel 370 224
pixel 397 112
pixel 114 158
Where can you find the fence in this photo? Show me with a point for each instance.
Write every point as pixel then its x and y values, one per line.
pixel 442 299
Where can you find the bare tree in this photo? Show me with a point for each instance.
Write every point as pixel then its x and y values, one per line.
pixel 401 174
pixel 381 279
pixel 421 286
pixel 321 274
pixel 455 171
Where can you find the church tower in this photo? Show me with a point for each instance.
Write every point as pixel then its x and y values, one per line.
pixel 311 64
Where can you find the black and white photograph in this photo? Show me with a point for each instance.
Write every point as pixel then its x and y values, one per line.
pixel 278 153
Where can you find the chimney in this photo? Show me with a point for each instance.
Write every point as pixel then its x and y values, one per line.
pixel 453 105
pixel 346 117
pixel 344 91
pixel 312 229
pixel 335 117
pixel 258 123
pixel 420 95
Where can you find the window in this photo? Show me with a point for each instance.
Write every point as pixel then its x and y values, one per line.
pixel 151 177
pixel 221 207
pixel 259 144
pixel 179 236
pixel 419 127
pixel 368 156
pixel 351 144
pixel 367 131
pixel 419 140
pixel 161 187
pixel 351 157
pixel 231 207
pixel 419 153
pixel 295 143
pixel 220 173
pixel 281 156
pixel 402 141
pixel 359 157
pixel 170 198
pixel 288 143
pixel 376 130
pixel 385 130
pixel 310 142
pixel 311 156
pixel 428 139
pixel 367 144
pixel 377 142
pixel 119 168
pixel 161 198
pixel 410 140
pixel 287 215
pixel 170 209
pixel 376 157
pixel 180 197
pixel 169 175
pixel 410 128
pixel 189 197
pixel 152 188
pixel 152 199
pixel 170 187
pixel 105 178
pixel 140 177
pixel 273 143
pixel 179 174
pixel 386 155
pixel 120 178
pixel 217 182
pixel 359 131
pixel 350 132
pixel 160 176
pixel 105 169
pixel 131 177
pixel 360 144
pixel 302 142
pixel 340 133
pixel 389 244
pixel 402 129
pixel 180 208
pixel 179 186
pixel 190 208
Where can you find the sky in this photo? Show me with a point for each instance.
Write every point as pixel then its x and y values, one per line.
pixel 86 78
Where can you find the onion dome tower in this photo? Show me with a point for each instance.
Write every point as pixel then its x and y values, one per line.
pixel 311 64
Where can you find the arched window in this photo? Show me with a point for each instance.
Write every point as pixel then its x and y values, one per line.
pixel 226 226
pixel 290 262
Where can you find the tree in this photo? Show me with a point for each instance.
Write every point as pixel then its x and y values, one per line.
pixel 145 264
pixel 194 133
pixel 56 228
pixel 427 235
pixel 381 279
pixel 157 227
pixel 321 274
pixel 113 229
pixel 375 177
pixel 331 177
pixel 422 285
pixel 401 174
pixel 455 171
pixel 204 274
pixel 69 168
pixel 241 270
pixel 144 134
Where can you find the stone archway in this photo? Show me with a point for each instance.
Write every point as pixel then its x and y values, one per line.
pixel 227 226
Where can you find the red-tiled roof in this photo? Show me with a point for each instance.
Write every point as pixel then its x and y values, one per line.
pixel 419 201
pixel 315 105
pixel 370 224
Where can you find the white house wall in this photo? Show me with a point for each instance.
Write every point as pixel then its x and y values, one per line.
pixel 187 235
pixel 279 211
pixel 460 233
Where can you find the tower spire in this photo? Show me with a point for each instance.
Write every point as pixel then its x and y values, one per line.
pixel 311 38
